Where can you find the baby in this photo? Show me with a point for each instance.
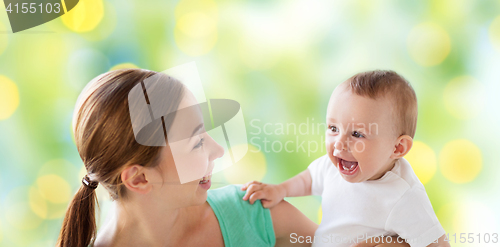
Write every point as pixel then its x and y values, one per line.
pixel 368 189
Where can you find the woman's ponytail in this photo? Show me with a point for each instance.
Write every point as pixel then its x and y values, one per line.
pixel 79 226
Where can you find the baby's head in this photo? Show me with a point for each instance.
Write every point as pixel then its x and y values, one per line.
pixel 371 120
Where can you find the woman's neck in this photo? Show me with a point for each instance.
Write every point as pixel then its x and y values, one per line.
pixel 144 225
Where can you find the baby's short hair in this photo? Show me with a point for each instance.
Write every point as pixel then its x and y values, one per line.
pixel 382 83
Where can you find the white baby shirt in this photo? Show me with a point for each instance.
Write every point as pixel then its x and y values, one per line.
pixel 395 204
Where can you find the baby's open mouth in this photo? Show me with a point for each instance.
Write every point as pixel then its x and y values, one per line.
pixel 347 167
pixel 205 179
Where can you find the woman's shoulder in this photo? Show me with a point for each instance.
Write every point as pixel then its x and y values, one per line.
pixel 228 193
pixel 229 200
pixel 241 223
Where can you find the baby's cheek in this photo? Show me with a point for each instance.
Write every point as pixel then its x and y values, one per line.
pixel 329 142
pixel 359 147
pixel 329 139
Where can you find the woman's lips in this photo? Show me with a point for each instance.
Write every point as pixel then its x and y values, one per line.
pixel 206 179
pixel 206 182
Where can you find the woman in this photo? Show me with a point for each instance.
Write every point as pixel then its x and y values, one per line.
pixel 152 207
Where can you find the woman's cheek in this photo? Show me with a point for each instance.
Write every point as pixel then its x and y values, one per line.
pixel 190 166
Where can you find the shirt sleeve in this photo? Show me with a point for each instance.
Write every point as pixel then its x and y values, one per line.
pixel 317 169
pixel 413 219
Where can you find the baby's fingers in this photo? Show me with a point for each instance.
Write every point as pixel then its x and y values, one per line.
pixel 251 189
pixel 245 186
pixel 256 196
pixel 268 203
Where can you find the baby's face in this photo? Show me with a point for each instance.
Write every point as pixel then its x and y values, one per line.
pixel 361 135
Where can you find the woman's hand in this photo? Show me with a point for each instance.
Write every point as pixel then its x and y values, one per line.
pixel 269 194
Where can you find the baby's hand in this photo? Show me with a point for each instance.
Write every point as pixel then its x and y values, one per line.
pixel 269 194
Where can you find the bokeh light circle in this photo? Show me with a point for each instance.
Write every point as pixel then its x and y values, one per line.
pixel 60 167
pixel 18 211
pixel 124 66
pixel 320 214
pixel 38 204
pixel 54 188
pixel 9 97
pixel 423 161
pixel 196 24
pixel 51 193
pixel 85 16
pixel 196 33
pixel 428 44
pixel 494 33
pixel 460 161
pixel 251 167
pixel 464 97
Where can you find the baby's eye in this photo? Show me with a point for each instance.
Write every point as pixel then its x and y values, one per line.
pixel 357 134
pixel 333 128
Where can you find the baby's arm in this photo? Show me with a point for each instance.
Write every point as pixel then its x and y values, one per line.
pixel 272 194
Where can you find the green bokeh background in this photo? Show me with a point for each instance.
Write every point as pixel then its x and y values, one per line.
pixel 280 60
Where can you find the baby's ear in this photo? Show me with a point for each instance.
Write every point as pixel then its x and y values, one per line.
pixel 402 146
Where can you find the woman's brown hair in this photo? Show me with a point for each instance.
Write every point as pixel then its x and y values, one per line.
pixel 106 143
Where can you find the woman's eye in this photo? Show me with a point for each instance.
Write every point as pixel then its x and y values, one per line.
pixel 200 143
pixel 357 134
pixel 333 128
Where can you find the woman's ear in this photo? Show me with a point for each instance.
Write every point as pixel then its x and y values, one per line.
pixel 402 147
pixel 134 178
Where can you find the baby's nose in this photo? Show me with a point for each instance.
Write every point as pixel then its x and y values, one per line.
pixel 340 144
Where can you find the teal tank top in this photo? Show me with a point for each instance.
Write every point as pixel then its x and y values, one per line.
pixel 241 223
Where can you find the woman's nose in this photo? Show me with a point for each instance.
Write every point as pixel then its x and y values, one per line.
pixel 216 150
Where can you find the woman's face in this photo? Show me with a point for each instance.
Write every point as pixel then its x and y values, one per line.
pixel 187 161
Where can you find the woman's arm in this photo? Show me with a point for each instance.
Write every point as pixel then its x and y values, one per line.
pixel 291 227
